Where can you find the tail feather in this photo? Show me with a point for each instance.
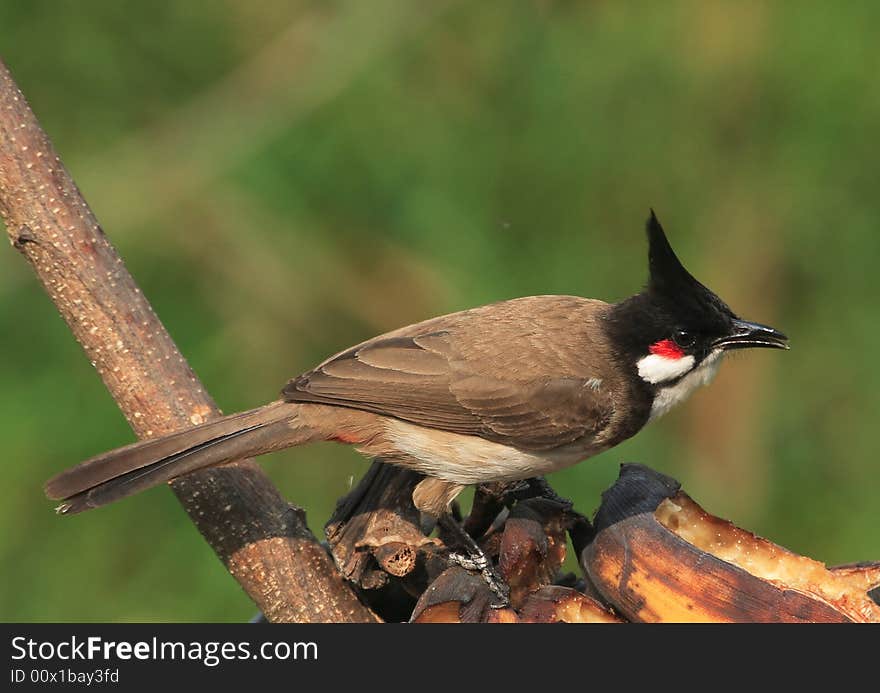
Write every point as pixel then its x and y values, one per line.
pixel 134 468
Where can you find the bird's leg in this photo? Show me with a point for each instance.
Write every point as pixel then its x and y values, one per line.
pixel 475 559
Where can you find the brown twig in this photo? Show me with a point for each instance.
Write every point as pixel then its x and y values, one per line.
pixel 376 540
pixel 372 522
pixel 261 538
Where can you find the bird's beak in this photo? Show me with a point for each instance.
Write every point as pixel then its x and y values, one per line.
pixel 745 335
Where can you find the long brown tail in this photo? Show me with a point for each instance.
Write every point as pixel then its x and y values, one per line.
pixel 134 468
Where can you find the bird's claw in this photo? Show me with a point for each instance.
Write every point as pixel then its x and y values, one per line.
pixel 479 563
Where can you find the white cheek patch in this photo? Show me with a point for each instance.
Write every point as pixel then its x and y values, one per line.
pixel 667 397
pixel 654 368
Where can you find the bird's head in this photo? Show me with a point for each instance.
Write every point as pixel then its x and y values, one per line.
pixel 674 332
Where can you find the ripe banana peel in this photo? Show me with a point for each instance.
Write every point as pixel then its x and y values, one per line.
pixel 657 556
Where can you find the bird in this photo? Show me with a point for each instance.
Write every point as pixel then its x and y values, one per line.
pixel 504 392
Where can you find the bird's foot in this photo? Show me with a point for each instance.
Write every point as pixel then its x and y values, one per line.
pixel 474 559
pixel 480 563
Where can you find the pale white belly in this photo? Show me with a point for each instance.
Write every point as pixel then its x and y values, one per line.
pixel 472 460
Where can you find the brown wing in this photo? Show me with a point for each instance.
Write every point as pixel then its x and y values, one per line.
pixel 513 372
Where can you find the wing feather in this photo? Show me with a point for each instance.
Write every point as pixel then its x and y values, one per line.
pixel 504 372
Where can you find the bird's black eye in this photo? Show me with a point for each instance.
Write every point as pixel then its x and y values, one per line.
pixel 683 338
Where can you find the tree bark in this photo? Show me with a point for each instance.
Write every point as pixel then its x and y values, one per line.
pixel 263 540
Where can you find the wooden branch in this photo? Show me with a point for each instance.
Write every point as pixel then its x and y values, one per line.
pixel 263 541
pixel 374 531
pixel 376 540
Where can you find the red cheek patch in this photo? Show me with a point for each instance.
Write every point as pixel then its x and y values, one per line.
pixel 667 349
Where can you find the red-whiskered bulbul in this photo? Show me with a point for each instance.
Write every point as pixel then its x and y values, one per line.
pixel 504 392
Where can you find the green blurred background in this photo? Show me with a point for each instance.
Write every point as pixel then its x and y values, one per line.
pixel 285 179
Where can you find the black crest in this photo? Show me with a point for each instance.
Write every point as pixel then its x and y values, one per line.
pixel 668 275
pixel 670 283
pixel 672 300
